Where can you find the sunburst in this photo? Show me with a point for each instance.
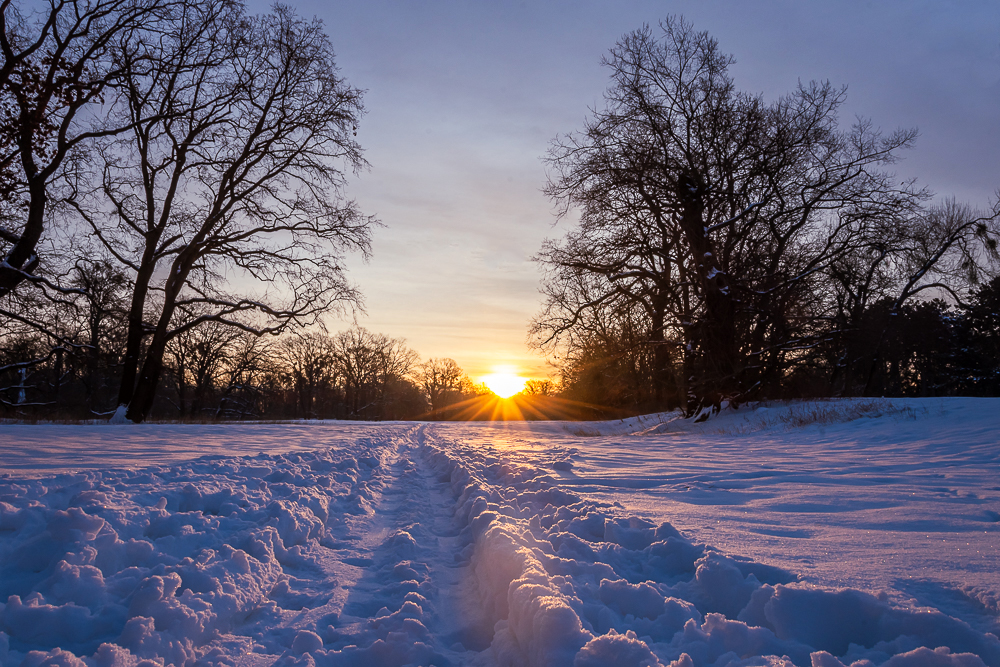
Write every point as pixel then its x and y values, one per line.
pixel 504 382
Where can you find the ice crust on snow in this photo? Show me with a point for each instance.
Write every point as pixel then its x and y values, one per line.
pixel 409 546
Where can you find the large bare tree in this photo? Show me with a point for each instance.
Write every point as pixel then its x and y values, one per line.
pixel 711 210
pixel 225 201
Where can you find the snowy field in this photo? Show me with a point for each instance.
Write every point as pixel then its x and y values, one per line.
pixel 813 534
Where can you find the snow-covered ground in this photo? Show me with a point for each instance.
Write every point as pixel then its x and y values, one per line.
pixel 815 534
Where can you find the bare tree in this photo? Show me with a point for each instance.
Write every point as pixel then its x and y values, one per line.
pixel 369 364
pixel 104 289
pixel 309 366
pixel 251 378
pixel 712 210
pixel 199 357
pixel 233 174
pixel 539 388
pixel 947 249
pixel 441 380
pixel 60 65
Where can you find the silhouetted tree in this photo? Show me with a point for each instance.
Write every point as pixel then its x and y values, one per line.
pixel 234 169
pixel 539 388
pixel 441 380
pixel 198 358
pixel 717 216
pixel 978 334
pixel 310 370
pixel 252 385
pixel 371 367
pixel 104 304
pixel 945 248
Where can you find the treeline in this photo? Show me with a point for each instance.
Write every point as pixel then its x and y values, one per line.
pixel 218 372
pixel 731 249
pixel 921 349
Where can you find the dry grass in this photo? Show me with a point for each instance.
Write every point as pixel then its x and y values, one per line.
pixel 584 432
pixel 797 415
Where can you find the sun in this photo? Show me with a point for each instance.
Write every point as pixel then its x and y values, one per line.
pixel 504 383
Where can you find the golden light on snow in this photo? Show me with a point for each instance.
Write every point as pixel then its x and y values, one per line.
pixel 504 382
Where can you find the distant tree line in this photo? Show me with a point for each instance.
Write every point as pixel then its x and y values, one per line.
pixel 731 249
pixel 928 348
pixel 215 371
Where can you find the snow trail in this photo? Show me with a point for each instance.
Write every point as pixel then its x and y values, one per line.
pixel 408 605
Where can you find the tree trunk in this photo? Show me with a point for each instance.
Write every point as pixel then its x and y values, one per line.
pixel 145 389
pixel 136 332
pixel 152 367
pixel 716 332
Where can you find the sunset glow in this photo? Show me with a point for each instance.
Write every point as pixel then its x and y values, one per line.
pixel 504 383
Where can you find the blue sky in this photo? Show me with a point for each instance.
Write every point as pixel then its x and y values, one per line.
pixel 463 99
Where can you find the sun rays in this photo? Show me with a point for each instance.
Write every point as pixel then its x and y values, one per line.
pixel 506 395
pixel 522 407
pixel 504 382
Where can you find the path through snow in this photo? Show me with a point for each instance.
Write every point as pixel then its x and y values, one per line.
pixel 412 544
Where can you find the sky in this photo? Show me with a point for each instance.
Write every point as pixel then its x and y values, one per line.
pixel 464 98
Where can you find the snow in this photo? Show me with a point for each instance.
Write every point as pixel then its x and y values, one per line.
pixel 823 534
pixel 119 417
pixel 44 449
